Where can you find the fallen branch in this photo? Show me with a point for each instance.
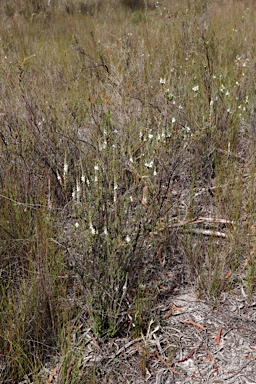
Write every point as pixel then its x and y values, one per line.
pixel 207 232
pixel 201 219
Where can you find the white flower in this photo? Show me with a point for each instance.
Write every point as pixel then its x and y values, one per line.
pixel 150 164
pixel 93 230
pixel 96 167
pixel 77 225
pixel 222 88
pixel 195 88
pixel 127 239
pixel 150 136
pixel 125 288
pixel 65 170
pixel 59 178
pixel 103 145
pixel 162 80
pixel 173 120
pixel 115 189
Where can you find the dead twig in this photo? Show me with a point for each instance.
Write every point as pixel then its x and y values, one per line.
pixel 199 231
pixel 239 370
pixel 188 357
pixel 123 349
pixel 166 364
pixel 201 219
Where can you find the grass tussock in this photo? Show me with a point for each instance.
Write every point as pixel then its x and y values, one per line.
pixel 127 145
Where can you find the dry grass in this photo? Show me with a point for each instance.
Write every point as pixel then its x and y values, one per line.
pixel 119 129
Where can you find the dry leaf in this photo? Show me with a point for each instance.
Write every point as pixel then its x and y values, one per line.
pixel 218 336
pixel 209 358
pixel 194 323
pixel 177 308
pixel 144 196
pixel 228 274
pixel 168 314
pixel 53 374
pixel 246 262
pixel 188 357
pixel 248 259
pixel 159 253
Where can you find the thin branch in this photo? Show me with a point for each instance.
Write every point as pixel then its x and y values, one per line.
pixel 159 357
pixel 20 203
pixel 200 219
pixel 206 232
